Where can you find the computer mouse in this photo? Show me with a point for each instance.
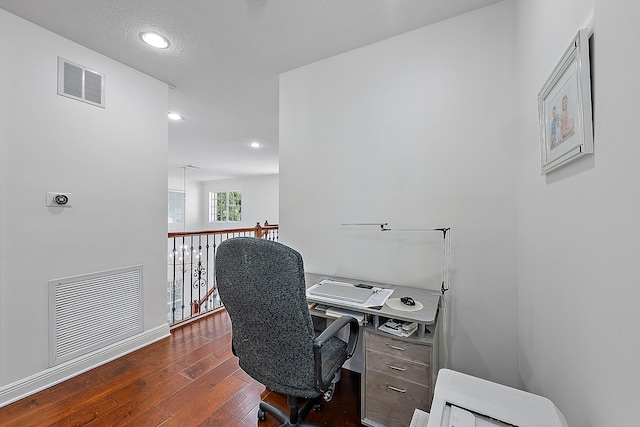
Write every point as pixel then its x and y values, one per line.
pixel 407 301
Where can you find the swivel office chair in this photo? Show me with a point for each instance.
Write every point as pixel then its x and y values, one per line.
pixel 261 284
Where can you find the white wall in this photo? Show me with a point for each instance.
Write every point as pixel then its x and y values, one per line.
pixel 578 227
pixel 260 201
pixel 113 160
pixel 194 202
pixel 418 131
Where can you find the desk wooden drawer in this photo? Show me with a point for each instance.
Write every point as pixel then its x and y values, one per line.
pixel 391 401
pixel 400 368
pixel 398 348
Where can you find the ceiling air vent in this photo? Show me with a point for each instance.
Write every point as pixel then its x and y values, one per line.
pixel 78 82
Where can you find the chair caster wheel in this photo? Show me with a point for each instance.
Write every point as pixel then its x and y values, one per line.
pixel 260 414
pixel 328 395
pixel 316 407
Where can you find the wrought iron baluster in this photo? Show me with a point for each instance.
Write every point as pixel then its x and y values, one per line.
pixel 173 283
pixel 184 270
pixel 200 273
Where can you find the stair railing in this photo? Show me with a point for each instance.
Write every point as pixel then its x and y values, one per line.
pixel 191 287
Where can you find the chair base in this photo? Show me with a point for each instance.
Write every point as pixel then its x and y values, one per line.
pixel 295 417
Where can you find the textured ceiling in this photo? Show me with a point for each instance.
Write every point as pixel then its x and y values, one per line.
pixel 225 58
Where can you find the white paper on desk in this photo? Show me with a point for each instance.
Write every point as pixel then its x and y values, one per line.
pixel 378 298
pixel 339 312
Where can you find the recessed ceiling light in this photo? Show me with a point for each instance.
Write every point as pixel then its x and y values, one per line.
pixel 175 116
pixel 154 39
pixel 255 144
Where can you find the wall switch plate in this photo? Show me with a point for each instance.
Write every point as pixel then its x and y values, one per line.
pixel 60 200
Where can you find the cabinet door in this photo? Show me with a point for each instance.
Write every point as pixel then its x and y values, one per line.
pixel 391 400
pixel 403 349
pixel 404 369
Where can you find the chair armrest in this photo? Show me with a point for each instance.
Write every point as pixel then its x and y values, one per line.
pixel 333 330
pixel 324 337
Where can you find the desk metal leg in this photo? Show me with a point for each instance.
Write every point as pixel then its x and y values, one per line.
pixel 421 329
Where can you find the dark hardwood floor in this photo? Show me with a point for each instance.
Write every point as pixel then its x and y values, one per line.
pixel 189 379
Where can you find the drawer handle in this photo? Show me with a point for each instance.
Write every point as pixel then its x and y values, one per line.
pixel 399 390
pixel 395 347
pixel 397 368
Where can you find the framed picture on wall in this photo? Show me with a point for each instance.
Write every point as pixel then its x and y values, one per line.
pixel 564 104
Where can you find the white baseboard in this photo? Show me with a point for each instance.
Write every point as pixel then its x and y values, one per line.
pixel 62 372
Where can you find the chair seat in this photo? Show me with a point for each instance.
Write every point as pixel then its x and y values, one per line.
pixel 332 355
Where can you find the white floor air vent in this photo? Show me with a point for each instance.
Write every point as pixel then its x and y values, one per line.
pixel 91 311
pixel 78 82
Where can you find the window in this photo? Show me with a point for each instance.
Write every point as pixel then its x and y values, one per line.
pixel 176 207
pixel 225 206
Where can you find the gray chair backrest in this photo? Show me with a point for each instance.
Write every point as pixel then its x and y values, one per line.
pixel 262 285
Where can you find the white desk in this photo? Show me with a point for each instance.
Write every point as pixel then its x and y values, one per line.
pixel 398 373
pixel 430 300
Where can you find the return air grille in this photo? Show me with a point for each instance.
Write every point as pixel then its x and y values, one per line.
pixel 91 311
pixel 78 82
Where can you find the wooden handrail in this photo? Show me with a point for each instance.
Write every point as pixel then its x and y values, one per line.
pixel 208 294
pixel 259 229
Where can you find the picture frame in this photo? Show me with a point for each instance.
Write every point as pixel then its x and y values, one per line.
pixel 565 111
